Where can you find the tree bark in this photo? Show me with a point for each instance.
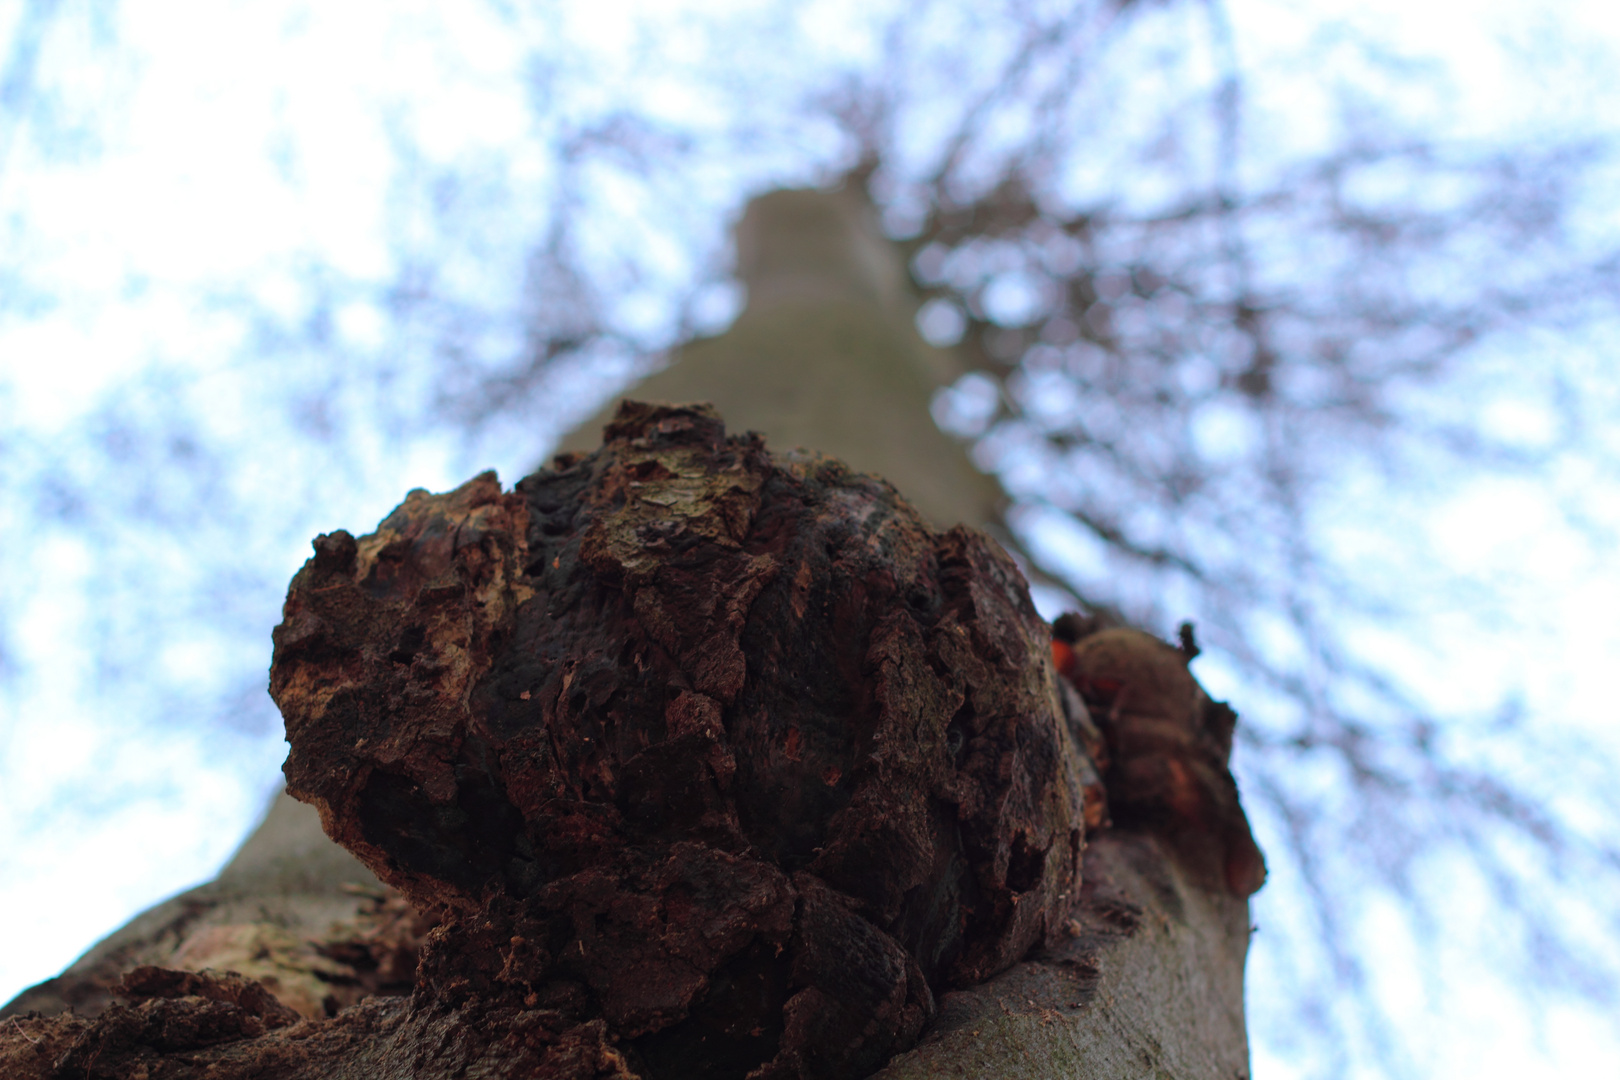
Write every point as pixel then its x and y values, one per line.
pixel 826 357
pixel 285 891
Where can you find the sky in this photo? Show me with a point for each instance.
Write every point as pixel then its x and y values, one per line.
pixel 206 152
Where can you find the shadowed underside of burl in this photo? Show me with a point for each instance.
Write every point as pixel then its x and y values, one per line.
pixel 708 763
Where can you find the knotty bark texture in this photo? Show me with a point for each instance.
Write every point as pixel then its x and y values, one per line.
pixel 737 754
pixel 715 764
pixel 1165 748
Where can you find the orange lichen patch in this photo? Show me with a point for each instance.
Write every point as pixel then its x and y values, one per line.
pixel 1063 657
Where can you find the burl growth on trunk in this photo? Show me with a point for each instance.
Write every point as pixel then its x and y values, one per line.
pixel 711 764
pixel 728 759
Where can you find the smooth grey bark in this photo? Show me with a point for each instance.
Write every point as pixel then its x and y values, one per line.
pixel 1151 986
pixel 825 355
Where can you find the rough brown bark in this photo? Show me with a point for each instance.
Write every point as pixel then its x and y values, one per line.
pixel 716 764
pixel 741 748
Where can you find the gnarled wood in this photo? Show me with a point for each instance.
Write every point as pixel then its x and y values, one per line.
pixel 678 686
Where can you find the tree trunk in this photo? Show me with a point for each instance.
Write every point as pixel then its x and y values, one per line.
pixel 826 356
pixel 1142 973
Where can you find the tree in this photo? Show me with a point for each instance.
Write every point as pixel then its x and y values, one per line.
pixel 1209 307
pixel 1148 967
